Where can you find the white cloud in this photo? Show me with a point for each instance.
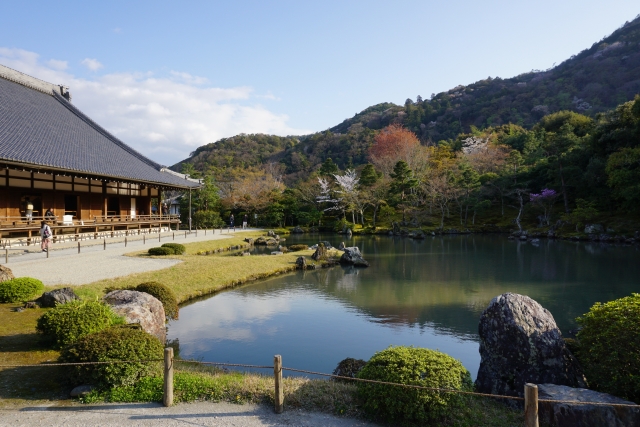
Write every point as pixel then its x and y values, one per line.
pixel 163 117
pixel 92 64
pixel 117 30
pixel 58 65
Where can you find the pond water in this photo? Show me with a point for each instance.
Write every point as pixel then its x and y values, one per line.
pixel 426 293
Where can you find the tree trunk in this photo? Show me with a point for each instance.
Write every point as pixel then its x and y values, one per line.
pixel 564 189
pixel 375 211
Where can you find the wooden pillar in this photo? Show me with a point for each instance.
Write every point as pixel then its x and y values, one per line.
pixel 167 398
pixel 530 405
pixel 279 391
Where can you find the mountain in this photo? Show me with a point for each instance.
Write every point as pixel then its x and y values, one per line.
pixel 595 80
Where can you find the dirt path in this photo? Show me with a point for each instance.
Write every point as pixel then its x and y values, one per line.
pixel 150 414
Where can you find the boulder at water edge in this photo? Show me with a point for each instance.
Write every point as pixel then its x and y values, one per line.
pixel 141 308
pixel 566 414
pixel 57 296
pixel 297 230
pixel 301 263
pixel 5 274
pixel 520 343
pixel 352 256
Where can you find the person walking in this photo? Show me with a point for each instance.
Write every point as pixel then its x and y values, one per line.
pixel 45 234
pixel 232 223
pixel 245 221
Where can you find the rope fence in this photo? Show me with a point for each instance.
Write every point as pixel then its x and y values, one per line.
pixel 530 400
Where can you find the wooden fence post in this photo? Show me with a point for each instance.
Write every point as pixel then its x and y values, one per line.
pixel 125 242
pixel 78 247
pixel 277 374
pixel 104 244
pixel 167 398
pixel 144 239
pixel 6 256
pixel 530 405
pixel 174 236
pixel 159 234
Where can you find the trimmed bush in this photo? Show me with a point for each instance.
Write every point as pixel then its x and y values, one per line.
pixel 296 248
pixel 161 251
pixel 178 249
pixel 66 323
pixel 20 289
pixel 116 343
pixel 610 347
pixel 164 294
pixel 414 366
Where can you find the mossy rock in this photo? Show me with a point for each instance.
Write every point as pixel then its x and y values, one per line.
pixel 296 248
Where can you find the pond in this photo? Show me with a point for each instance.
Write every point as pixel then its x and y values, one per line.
pixel 426 293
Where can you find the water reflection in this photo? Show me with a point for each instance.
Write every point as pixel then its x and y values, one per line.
pixel 427 293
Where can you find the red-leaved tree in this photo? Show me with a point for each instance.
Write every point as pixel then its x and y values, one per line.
pixel 392 144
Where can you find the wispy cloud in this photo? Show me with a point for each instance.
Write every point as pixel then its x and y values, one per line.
pixel 165 117
pixel 92 64
pixel 117 30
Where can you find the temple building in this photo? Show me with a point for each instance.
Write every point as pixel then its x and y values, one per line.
pixel 53 157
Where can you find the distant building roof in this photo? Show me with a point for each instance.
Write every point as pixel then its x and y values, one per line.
pixel 39 126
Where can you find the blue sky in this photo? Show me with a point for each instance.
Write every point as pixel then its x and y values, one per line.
pixel 167 77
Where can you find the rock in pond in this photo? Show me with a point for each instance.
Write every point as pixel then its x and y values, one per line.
pixel 141 308
pixel 521 343
pixel 568 414
pixel 297 230
pixel 5 274
pixel 57 296
pixel 301 263
pixel 352 256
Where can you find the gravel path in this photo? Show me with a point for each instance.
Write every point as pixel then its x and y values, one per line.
pixel 66 267
pixel 150 414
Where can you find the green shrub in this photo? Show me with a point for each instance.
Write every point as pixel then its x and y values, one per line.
pixel 610 347
pixel 164 294
pixel 343 225
pixel 296 248
pixel 161 251
pixel 20 289
pixel 207 219
pixel 415 366
pixel 66 323
pixel 116 343
pixel 178 249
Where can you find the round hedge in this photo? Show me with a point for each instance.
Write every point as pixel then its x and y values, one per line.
pixel 178 249
pixel 20 289
pixel 66 323
pixel 161 251
pixel 116 343
pixel 164 294
pixel 414 366
pixel 610 347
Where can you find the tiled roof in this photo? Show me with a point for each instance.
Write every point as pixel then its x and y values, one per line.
pixel 47 130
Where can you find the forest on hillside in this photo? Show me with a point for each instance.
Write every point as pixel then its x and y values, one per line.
pixel 567 170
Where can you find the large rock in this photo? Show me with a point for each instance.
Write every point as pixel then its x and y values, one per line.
pixel 593 229
pixel 297 230
pixel 5 274
pixel 520 343
pixel 57 296
pixel 141 308
pixel 352 256
pixel 568 414
pixel 320 253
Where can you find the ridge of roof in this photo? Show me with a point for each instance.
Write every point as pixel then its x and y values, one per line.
pixel 62 100
pixel 29 81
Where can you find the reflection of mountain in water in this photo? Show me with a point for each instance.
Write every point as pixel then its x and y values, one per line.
pixel 446 282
